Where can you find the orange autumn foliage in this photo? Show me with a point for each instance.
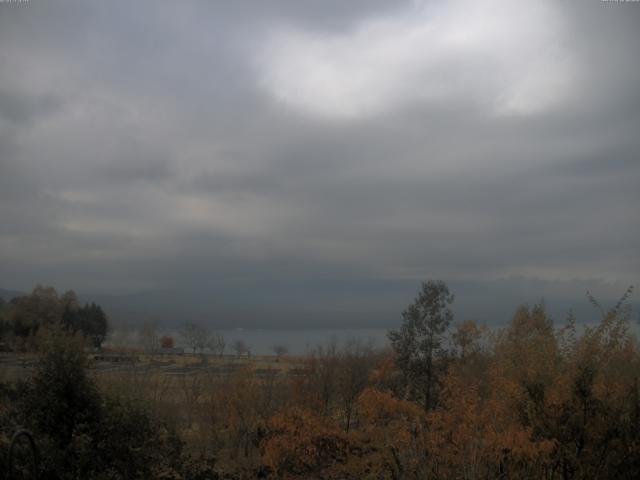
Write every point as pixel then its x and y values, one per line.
pixel 390 441
pixel 300 442
pixel 469 437
pixel 533 403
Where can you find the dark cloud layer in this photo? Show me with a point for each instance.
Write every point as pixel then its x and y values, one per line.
pixel 303 162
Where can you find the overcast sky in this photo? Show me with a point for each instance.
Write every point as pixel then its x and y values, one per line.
pixel 328 155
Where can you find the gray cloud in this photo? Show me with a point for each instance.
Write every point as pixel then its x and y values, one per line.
pixel 319 159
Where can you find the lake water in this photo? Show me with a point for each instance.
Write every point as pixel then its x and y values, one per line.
pixel 261 342
pixel 301 342
pixel 297 342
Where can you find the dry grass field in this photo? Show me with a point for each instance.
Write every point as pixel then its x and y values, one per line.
pixel 216 404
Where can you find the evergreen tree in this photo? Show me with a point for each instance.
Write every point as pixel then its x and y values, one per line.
pixel 418 342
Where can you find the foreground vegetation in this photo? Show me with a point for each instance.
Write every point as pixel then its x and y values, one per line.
pixel 447 401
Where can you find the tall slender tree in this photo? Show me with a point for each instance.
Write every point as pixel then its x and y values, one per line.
pixel 418 342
